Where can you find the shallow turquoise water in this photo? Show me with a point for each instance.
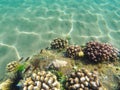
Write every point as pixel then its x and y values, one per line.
pixel 26 26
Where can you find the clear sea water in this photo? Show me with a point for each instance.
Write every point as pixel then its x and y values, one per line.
pixel 26 26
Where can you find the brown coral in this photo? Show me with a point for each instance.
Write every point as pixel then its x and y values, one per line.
pixel 83 80
pixel 59 43
pixel 98 52
pixel 12 66
pixel 41 81
pixel 73 51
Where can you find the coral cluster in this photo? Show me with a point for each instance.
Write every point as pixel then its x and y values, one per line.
pixel 59 43
pixel 12 66
pixel 98 52
pixel 74 51
pixel 28 71
pixel 6 85
pixel 41 81
pixel 83 80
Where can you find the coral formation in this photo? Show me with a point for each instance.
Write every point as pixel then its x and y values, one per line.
pixel 12 66
pixel 16 65
pixel 41 81
pixel 83 80
pixel 50 70
pixel 98 52
pixel 6 85
pixel 59 43
pixel 74 51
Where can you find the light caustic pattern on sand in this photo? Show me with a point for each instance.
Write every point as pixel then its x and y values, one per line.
pixel 26 26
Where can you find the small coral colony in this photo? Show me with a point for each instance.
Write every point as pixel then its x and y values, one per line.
pixel 32 74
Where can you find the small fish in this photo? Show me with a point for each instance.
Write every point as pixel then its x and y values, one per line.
pixel 27 59
pixel 21 59
pixel 47 48
pixel 27 69
pixel 41 51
